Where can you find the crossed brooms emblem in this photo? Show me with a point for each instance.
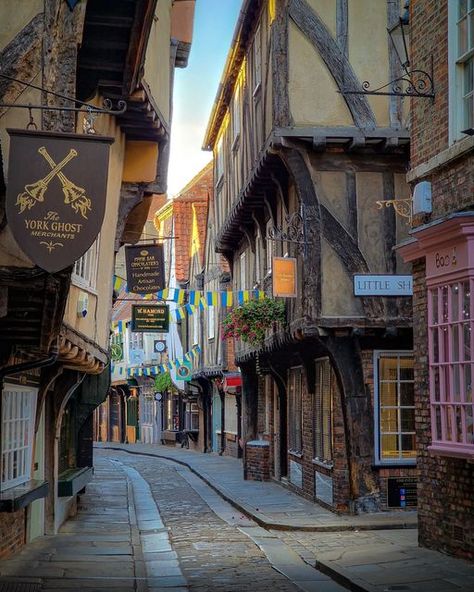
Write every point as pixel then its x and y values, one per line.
pixel 73 194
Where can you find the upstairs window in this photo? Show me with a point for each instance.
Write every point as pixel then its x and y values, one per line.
pixel 465 60
pixel 257 60
pixel 236 113
pixel 243 271
pixel 84 273
pixel 461 67
pixel 219 161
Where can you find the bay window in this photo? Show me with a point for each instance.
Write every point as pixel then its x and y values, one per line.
pixel 450 325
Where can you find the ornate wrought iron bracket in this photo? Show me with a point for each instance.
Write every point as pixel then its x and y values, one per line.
pixel 413 83
pixel 107 108
pixel 294 231
pixel 402 207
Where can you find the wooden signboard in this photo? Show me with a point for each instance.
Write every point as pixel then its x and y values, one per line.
pixel 284 277
pixel 56 194
pixel 150 318
pixel 145 268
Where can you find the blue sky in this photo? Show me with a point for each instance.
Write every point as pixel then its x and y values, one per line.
pixel 196 87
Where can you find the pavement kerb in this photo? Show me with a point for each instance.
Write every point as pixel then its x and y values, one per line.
pixel 263 522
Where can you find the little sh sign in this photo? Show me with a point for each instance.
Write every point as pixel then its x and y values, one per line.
pixel 57 185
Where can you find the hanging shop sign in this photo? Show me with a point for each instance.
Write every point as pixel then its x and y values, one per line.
pixel 145 268
pixel 56 194
pixel 383 285
pixel 159 346
pixel 150 318
pixel 284 277
pixel 184 372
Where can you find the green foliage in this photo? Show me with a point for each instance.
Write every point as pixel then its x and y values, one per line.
pixel 163 382
pixel 250 321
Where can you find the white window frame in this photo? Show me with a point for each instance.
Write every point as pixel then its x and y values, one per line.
pixel 456 67
pixel 270 249
pixel 379 460
pixel 84 273
pixel 195 338
pixel 17 424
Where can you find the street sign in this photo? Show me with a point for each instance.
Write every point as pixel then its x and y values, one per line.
pixel 149 318
pixel 145 268
pixel 383 285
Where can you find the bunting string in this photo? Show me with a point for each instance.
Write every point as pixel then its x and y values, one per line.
pixel 189 356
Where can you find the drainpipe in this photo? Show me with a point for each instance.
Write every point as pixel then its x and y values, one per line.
pixel 16 369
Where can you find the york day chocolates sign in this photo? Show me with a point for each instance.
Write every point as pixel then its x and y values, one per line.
pixel 57 186
pixel 145 268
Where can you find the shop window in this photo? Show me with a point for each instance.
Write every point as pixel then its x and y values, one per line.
pixel 395 441
pixel 191 418
pixel 18 421
pixel 450 325
pixel 211 322
pixel 295 411
pixel 324 393
pixel 461 70
pixel 230 414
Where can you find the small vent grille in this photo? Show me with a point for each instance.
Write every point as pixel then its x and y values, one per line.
pixel 19 587
pixel 458 533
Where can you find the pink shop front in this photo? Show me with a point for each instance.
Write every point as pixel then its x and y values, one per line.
pixel 442 255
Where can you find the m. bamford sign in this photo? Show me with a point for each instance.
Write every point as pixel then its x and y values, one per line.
pixel 383 285
pixel 150 318
pixel 56 193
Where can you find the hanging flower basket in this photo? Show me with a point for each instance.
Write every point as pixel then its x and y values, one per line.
pixel 250 321
pixel 163 382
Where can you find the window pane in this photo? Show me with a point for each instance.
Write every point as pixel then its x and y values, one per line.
pixel 388 368
pixel 467 341
pixel 456 392
pixel 444 303
pixel 407 394
pixel 462 8
pixel 435 383
pixel 408 446
pixel 434 306
pixel 434 335
pixel 466 306
pixel 388 394
pixel 408 420
pixel 406 368
pixel 468 110
pixel 468 383
pixel 448 422
pixel 469 425
pixel 455 343
pixel 462 37
pixel 390 446
pixel 437 435
pixel 389 420
pixel 454 302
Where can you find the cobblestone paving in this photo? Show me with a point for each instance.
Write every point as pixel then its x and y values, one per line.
pixel 214 556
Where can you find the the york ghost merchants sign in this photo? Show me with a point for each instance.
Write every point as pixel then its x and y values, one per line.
pixel 145 268
pixel 56 194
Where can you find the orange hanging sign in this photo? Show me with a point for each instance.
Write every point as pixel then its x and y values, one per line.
pixel 284 277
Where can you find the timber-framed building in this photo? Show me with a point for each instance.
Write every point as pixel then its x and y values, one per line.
pixel 330 391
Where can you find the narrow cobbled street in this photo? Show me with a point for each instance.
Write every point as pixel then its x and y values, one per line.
pixel 150 524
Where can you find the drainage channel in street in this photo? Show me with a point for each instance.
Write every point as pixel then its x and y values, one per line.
pixel 283 559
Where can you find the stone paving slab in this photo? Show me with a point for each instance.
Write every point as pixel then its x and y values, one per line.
pixel 268 503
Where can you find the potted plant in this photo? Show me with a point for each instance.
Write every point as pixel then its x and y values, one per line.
pixel 249 321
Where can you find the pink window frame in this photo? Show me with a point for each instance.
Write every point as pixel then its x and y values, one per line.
pixel 451 365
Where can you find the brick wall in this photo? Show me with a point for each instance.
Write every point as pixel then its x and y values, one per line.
pixel 257 461
pixel 446 485
pixel 12 533
pixel 428 39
